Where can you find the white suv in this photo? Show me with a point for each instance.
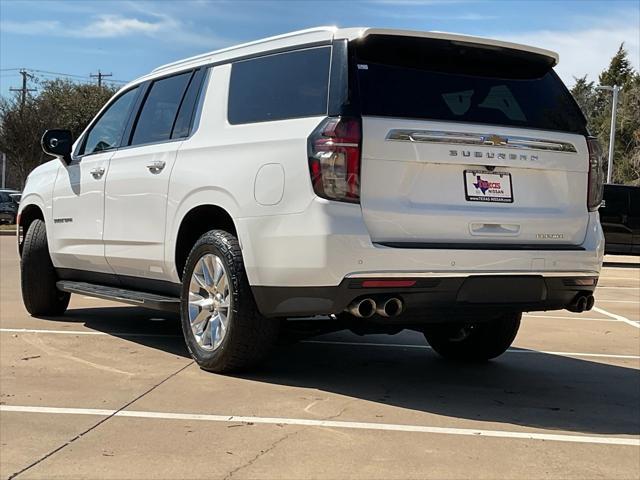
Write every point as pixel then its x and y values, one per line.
pixel 383 179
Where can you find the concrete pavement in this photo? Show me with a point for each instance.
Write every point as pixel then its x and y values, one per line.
pixel 108 391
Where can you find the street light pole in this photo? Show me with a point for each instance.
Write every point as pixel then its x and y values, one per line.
pixel 612 134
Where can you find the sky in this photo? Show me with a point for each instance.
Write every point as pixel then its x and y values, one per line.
pixel 130 38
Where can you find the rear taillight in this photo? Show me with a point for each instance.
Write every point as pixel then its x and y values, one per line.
pixel 596 174
pixel 334 159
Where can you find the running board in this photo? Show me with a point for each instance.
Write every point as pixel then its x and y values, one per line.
pixel 132 297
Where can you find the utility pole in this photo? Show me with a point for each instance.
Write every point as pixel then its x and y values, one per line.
pixel 100 76
pixel 24 90
pixel 612 134
pixel 4 168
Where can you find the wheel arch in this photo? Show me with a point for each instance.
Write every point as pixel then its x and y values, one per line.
pixel 27 215
pixel 197 221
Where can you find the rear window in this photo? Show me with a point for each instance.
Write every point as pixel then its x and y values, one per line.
pixel 443 80
pixel 280 86
pixel 158 113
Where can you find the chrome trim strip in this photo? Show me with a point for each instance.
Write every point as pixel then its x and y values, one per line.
pixel 466 273
pixel 479 139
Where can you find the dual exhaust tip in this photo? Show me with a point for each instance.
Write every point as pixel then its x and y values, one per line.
pixel 367 307
pixel 581 303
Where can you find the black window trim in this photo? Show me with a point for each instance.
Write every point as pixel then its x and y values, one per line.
pixel 206 67
pixel 144 88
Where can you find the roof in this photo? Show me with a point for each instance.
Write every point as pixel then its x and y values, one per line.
pixel 325 35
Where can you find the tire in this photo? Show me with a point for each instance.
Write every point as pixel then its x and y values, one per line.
pixel 476 342
pixel 38 276
pixel 245 337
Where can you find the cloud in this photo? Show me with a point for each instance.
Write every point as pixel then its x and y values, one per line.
pixel 586 51
pixel 158 26
pixel 106 26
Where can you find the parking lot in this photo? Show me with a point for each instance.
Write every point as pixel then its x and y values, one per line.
pixel 109 391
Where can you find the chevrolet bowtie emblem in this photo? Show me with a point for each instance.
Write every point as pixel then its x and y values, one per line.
pixel 494 140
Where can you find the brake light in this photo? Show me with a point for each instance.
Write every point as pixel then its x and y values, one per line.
pixel 334 159
pixel 596 174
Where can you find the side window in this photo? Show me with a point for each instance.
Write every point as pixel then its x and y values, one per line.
pixel 185 114
pixel 280 86
pixel 159 110
pixel 106 133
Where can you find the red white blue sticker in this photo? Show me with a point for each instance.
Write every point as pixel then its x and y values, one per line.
pixel 483 186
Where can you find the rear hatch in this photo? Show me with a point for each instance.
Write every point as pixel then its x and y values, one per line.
pixel 468 146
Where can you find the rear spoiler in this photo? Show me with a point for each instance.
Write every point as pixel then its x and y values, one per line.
pixel 360 33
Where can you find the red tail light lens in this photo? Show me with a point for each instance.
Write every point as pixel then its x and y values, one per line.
pixel 596 174
pixel 334 159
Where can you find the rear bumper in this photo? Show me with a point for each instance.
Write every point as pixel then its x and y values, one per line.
pixel 301 264
pixel 431 299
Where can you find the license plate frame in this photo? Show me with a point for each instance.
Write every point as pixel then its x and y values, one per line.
pixel 489 187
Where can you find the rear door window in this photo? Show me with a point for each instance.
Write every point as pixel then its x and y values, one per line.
pixel 156 119
pixel 184 119
pixel 438 80
pixel 280 86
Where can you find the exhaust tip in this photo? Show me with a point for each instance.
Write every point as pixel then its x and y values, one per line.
pixel 364 308
pixel 590 302
pixel 581 303
pixel 391 307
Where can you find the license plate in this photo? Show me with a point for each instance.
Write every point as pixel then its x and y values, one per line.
pixel 483 186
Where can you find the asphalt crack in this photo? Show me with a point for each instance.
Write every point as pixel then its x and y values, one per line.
pixel 277 442
pixel 260 454
pixel 96 425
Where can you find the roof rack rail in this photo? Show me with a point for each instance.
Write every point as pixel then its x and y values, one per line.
pixel 243 45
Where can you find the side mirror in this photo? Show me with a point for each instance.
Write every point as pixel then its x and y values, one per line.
pixel 58 143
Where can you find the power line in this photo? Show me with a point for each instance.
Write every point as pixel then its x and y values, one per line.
pixel 66 75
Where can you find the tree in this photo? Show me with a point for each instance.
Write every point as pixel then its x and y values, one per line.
pixel 596 105
pixel 60 104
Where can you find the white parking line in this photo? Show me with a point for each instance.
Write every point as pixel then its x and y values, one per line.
pixel 620 318
pixel 626 279
pixel 566 317
pixel 511 350
pixel 618 288
pixel 394 427
pixel 600 300
pixel 84 332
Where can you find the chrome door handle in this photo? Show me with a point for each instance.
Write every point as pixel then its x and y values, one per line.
pixel 156 167
pixel 97 172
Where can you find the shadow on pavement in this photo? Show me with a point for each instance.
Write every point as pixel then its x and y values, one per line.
pixel 533 390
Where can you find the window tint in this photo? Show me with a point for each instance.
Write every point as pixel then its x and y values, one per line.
pixel 285 85
pixel 4 197
pixel 158 113
pixel 106 133
pixel 438 80
pixel 185 114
